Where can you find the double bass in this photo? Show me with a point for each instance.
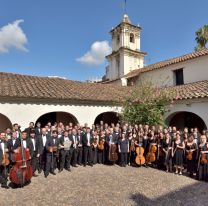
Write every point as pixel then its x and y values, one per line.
pixel 21 173
pixel 151 157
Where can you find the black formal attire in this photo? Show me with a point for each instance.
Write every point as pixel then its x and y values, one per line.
pixel 191 164
pixel 80 150
pixel 74 149
pixel 101 153
pixel 36 149
pixel 124 147
pixel 51 160
pixel 11 145
pixel 38 131
pixel 87 142
pixel 179 154
pixel 66 154
pixel 168 158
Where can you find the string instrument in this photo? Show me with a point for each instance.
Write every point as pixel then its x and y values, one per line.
pixel 101 145
pixel 203 159
pixel 189 155
pixel 151 157
pixel 5 159
pixel 53 149
pixel 140 159
pixel 132 147
pixel 95 144
pixel 21 172
pixel 113 155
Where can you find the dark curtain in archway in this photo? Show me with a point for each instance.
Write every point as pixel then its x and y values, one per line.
pixel 108 117
pixel 187 119
pixel 53 117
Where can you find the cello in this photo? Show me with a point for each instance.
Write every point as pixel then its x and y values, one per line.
pixel 140 159
pixel 21 173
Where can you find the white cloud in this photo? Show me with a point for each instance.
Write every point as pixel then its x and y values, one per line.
pixel 12 36
pixel 97 53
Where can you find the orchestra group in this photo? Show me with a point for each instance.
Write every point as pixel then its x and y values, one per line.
pixel 54 148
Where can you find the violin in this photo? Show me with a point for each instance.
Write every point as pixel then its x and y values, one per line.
pixel 189 156
pixel 140 159
pixel 203 159
pixel 132 147
pixel 101 145
pixel 5 160
pixel 21 172
pixel 52 149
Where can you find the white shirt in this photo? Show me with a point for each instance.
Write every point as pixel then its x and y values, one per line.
pixel 13 141
pixel 66 139
pixel 2 146
pixel 44 140
pixel 24 143
pixel 88 138
pixel 33 141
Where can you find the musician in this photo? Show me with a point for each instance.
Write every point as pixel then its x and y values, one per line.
pixel 8 133
pixel 65 152
pixel 123 148
pixel 3 168
pixel 16 128
pixel 178 153
pixel 167 146
pixel 51 146
pixel 74 147
pixel 42 138
pixel 36 150
pixel 79 147
pixel 87 144
pixel 38 129
pixel 191 155
pixel 202 173
pixel 31 127
pixel 11 143
pixel 101 150
pixel 95 147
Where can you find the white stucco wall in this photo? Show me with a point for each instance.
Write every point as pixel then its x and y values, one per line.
pixel 25 113
pixel 194 70
pixel 198 108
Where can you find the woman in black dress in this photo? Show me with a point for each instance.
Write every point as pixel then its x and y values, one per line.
pixel 203 167
pixel 168 150
pixel 191 155
pixel 101 148
pixel 178 154
pixel 123 148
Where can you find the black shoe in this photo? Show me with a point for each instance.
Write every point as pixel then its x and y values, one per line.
pixel 5 186
pixel 74 166
pixel 46 175
pixel 34 175
pixel 91 165
pixel 60 170
pixel 84 165
pixel 68 169
pixel 53 173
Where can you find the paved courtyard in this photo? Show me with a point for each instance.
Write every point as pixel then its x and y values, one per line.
pixel 109 185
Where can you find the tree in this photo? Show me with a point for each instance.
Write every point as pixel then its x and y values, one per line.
pixel 201 38
pixel 147 104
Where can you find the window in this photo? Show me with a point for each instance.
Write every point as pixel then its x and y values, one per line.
pixel 179 76
pixel 132 38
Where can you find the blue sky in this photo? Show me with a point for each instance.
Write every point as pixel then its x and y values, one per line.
pixel 52 34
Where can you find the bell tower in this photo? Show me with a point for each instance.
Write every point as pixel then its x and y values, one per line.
pixel 126 55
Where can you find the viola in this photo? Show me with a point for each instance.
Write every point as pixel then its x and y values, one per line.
pixel 204 159
pixel 101 145
pixel 189 156
pixel 5 160
pixel 21 172
pixel 140 159
pixel 113 155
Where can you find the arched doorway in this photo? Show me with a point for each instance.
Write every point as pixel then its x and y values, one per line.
pixel 108 117
pixel 53 117
pixel 186 119
pixel 4 122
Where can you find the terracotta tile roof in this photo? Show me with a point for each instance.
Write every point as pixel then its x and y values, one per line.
pixel 25 86
pixel 168 62
pixel 17 86
pixel 191 91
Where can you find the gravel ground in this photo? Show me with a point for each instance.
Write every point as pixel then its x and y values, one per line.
pixel 109 185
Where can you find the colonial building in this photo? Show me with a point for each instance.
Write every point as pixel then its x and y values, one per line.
pixel 25 98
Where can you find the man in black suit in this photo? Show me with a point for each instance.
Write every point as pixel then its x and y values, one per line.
pixel 11 143
pixel 38 128
pixel 87 144
pixel 36 149
pixel 52 145
pixel 31 127
pixel 65 152
pixel 74 150
pixel 42 138
pixel 79 147
pixel 3 168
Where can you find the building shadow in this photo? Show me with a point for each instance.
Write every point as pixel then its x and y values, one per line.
pixel 192 195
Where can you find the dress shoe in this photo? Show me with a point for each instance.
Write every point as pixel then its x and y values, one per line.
pixel 53 173
pixel 5 186
pixel 60 170
pixel 46 175
pixel 68 169
pixel 34 175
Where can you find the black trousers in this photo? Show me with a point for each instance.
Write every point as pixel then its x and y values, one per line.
pixel 94 155
pixel 74 156
pixel 34 162
pixel 42 160
pixel 123 159
pixel 51 163
pixel 87 155
pixel 101 156
pixel 66 156
pixel 3 175
pixel 79 155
